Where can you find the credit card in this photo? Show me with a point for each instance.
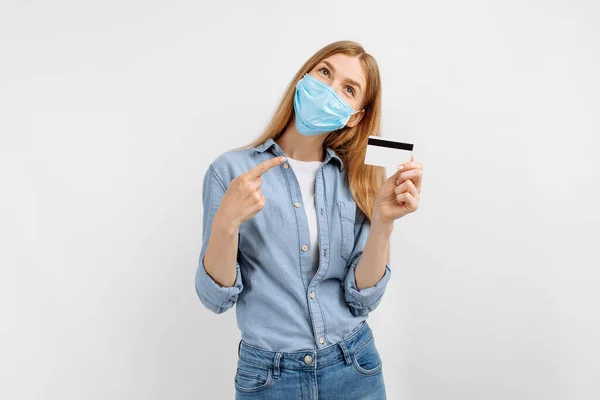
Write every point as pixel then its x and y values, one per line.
pixel 387 153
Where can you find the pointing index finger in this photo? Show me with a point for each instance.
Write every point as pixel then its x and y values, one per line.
pixel 265 166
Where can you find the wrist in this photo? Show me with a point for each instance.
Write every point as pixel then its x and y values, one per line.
pixel 225 224
pixel 381 225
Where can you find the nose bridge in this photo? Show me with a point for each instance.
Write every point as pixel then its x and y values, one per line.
pixel 337 86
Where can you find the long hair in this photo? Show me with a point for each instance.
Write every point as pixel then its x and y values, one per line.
pixel 350 144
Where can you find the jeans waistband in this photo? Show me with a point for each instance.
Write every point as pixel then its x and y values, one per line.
pixel 318 358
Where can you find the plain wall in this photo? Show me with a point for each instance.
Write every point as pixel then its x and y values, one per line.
pixel 110 113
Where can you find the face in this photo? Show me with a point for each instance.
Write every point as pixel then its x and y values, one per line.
pixel 346 76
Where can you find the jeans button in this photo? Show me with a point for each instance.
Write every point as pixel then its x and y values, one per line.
pixel 308 359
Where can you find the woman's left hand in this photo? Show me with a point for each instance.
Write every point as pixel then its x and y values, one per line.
pixel 400 193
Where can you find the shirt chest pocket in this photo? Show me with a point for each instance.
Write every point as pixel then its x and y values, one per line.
pixel 346 218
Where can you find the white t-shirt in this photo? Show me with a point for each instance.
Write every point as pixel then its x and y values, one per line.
pixel 306 172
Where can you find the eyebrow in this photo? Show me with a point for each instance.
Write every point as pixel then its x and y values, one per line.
pixel 352 82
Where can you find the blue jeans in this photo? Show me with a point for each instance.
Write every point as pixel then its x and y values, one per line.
pixel 350 370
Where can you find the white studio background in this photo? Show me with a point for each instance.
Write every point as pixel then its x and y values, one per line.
pixel 110 113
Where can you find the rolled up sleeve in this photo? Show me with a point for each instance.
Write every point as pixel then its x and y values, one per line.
pixel 215 297
pixel 362 302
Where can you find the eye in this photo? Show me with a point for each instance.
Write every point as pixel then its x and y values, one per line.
pixel 323 68
pixel 351 90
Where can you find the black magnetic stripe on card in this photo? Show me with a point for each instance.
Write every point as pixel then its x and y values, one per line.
pixel 394 145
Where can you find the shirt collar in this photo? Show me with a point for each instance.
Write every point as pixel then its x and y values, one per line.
pixel 329 152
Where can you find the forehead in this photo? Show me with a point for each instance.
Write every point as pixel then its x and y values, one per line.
pixel 348 66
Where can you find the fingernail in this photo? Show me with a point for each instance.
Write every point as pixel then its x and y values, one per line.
pixel 400 167
pixel 282 158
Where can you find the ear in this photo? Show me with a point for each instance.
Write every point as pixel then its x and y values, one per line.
pixel 355 119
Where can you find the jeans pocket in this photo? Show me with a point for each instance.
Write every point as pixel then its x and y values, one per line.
pixel 251 378
pixel 366 360
pixel 347 214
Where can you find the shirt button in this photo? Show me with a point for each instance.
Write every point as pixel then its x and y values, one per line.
pixel 285 166
pixel 321 340
pixel 312 295
pixel 296 205
pixel 308 359
pixel 304 248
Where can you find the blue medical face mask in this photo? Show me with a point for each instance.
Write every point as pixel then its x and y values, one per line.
pixel 318 107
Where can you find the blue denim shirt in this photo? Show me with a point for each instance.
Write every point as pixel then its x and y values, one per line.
pixel 280 305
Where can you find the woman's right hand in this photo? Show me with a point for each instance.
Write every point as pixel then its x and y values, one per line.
pixel 243 198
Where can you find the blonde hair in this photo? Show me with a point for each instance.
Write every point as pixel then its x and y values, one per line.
pixel 349 143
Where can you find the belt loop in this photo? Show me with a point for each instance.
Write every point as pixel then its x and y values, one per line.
pixel 239 348
pixel 345 351
pixel 276 366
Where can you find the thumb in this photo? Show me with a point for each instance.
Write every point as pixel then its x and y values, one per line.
pixel 396 174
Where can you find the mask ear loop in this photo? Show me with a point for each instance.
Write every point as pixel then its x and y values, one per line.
pixel 355 112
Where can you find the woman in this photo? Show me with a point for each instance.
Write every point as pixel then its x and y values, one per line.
pixel 296 232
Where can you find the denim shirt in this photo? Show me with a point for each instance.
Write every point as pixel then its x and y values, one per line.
pixel 280 305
